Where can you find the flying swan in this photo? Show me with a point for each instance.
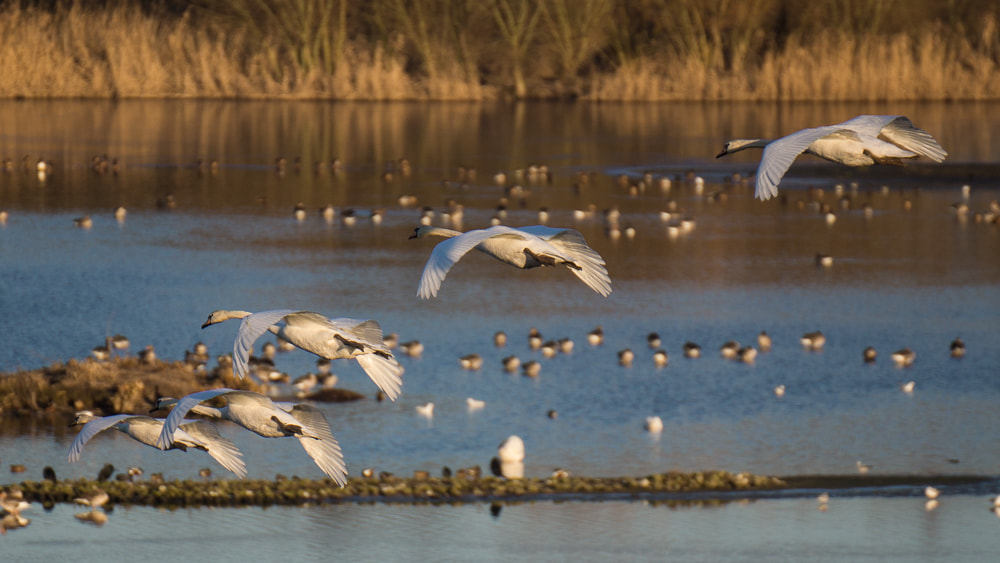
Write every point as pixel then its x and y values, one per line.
pixel 198 434
pixel 522 247
pixel 261 415
pixel 862 141
pixel 327 338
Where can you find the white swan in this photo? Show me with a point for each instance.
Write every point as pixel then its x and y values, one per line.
pixel 198 434
pixel 862 141
pixel 327 338
pixel 523 247
pixel 261 415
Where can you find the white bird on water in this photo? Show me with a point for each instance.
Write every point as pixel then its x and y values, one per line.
pixel 198 434
pixel 261 415
pixel 327 338
pixel 523 247
pixel 862 141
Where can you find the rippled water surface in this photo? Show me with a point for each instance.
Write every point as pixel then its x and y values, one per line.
pixel 912 276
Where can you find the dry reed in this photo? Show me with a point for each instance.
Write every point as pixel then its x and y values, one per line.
pixel 763 50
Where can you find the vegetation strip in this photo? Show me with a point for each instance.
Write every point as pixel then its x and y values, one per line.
pixel 387 488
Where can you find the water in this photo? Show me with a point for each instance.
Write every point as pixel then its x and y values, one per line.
pixel 915 278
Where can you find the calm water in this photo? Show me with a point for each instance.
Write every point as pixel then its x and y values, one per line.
pixel 915 278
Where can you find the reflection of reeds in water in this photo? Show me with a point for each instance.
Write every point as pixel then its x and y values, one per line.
pixel 423 49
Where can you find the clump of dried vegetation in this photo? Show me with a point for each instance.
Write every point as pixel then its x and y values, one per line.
pixel 482 49
pixel 121 385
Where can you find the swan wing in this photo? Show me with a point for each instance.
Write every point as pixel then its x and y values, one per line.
pixel 592 265
pixel 450 251
pixel 779 155
pixel 180 410
pixel 325 451
pixel 222 450
pixel 90 430
pixel 361 334
pixel 901 132
pixel 385 372
pixel 251 328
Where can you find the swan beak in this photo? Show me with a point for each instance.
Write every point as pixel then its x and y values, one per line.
pixel 723 153
pixel 207 323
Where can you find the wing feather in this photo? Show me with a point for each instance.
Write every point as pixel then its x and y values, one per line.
pixel 385 372
pixel 326 450
pixel 222 450
pixel 251 328
pixel 91 429
pixel 779 155
pixel 450 251
pixel 180 410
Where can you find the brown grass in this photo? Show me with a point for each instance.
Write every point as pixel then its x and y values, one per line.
pixel 763 50
pixel 124 385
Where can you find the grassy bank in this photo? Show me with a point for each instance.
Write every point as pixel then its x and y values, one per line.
pixel 387 488
pixel 474 50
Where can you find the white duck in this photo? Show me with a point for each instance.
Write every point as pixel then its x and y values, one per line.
pixel 327 338
pixel 261 415
pixel 522 247
pixel 862 141
pixel 198 434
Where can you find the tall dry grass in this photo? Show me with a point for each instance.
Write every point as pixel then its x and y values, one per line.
pixel 482 49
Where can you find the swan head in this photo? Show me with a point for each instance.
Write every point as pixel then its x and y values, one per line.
pixel 737 145
pixel 163 403
pixel 83 417
pixel 223 315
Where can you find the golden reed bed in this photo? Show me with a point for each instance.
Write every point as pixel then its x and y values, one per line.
pixel 826 50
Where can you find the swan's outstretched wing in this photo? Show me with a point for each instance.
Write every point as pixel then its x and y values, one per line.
pixel 251 328
pixel 223 450
pixel 180 410
pixel 779 155
pixel 325 451
pixel 592 265
pixel 90 430
pixel 901 132
pixel 385 372
pixel 444 256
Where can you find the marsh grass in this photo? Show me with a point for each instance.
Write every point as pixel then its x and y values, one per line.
pixel 603 50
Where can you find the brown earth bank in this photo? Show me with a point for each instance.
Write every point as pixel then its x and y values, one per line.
pixel 119 385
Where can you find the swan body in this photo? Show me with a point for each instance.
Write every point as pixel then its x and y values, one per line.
pixel 259 414
pixel 198 434
pixel 862 141
pixel 327 338
pixel 523 247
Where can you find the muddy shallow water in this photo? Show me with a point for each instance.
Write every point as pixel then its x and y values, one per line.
pixel 914 278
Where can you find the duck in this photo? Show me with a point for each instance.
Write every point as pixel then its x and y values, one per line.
pixel 625 357
pixel 869 354
pixel 660 358
pixel 904 357
pixel 653 340
pixel 861 141
pixel 730 349
pixel 764 341
pixel 813 340
pixel 95 499
pixel 262 416
pixel 957 348
pixel 779 391
pixel 654 424
pixel 596 336
pixel 692 350
pixel 523 247
pixel 511 363
pixel 426 410
pixel 532 368
pixel 500 339
pixel 198 434
pixel 471 362
pixel 340 338
pixel 474 404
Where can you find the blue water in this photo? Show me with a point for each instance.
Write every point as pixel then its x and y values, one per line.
pixel 916 278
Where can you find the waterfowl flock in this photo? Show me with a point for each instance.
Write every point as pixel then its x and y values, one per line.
pixel 860 141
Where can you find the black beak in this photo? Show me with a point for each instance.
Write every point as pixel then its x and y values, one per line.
pixel 721 154
pixel 207 323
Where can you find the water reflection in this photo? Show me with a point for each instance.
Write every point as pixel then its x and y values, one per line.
pixel 910 274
